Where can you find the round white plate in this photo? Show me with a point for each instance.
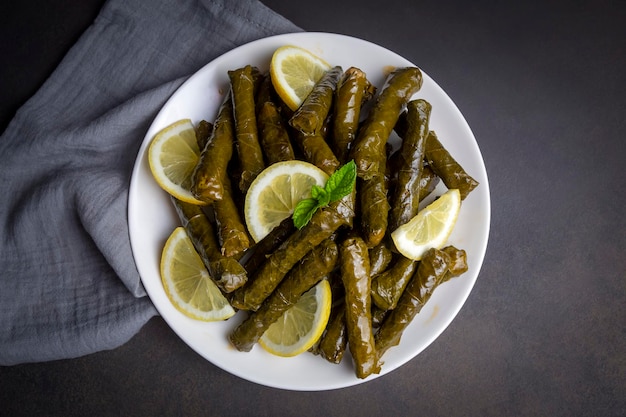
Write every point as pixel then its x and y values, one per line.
pixel 152 218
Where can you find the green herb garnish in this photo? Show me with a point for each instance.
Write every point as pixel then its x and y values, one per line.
pixel 339 185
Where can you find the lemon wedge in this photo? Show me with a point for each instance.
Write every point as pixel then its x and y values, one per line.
pixel 173 155
pixel 294 71
pixel 274 193
pixel 187 282
pixel 430 228
pixel 302 325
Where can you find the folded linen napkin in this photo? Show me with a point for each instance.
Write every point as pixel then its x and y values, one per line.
pixel 68 282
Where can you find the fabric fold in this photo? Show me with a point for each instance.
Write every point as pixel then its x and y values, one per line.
pixel 69 283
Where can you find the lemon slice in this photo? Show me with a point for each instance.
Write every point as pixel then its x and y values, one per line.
pixel 274 193
pixel 294 71
pixel 430 228
pixel 173 155
pixel 187 282
pixel 302 325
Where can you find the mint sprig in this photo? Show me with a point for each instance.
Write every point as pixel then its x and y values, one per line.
pixel 339 184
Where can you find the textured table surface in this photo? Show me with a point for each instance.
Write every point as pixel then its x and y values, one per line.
pixel 543 87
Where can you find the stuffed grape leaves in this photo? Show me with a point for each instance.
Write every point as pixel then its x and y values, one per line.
pixel 211 168
pixel 263 249
pixel 432 271
pixel 231 232
pixel 352 91
pixel 303 276
pixel 374 209
pixel 203 133
pixel 273 134
pixel 355 274
pixel 321 226
pixel 380 257
pixel 369 147
pixel 388 286
pixel 405 198
pixel 317 151
pixel 227 273
pixel 334 341
pixel 243 82
pixel 310 117
pixel 447 168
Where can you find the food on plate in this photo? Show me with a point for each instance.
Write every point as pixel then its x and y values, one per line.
pixel 322 226
pixel 274 194
pixel 355 275
pixel 310 118
pixel 312 268
pixel 389 285
pixel 273 134
pixel 334 340
pixel 380 257
pixel 305 217
pixel 353 91
pixel 301 325
pixel 430 228
pixel 227 273
pixel 173 156
pixel 243 82
pixel 433 270
pixel 204 129
pixel 441 162
pixel 447 168
pixel 369 151
pixel 369 148
pixel 294 71
pixel 264 247
pixel 209 173
pixel 187 282
pixel 405 200
pixel 232 234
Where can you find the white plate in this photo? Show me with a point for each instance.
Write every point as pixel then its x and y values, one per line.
pixel 152 218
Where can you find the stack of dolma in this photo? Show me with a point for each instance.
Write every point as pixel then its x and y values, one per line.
pixel 376 291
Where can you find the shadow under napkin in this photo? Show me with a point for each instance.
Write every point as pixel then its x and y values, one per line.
pixel 70 285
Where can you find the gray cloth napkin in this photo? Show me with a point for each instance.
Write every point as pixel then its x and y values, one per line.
pixel 68 282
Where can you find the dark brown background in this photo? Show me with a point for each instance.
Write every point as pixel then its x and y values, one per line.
pixel 543 86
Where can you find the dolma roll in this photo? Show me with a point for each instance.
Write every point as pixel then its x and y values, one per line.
pixel 310 117
pixel 355 274
pixel 388 286
pixel 213 163
pixel 251 161
pixel 273 134
pixel 433 270
pixel 264 248
pixel 380 257
pixel 352 91
pixel 405 198
pixel 334 341
pixel 227 273
pixel 203 133
pixel 231 231
pixel 447 168
pixel 316 150
pixel 369 147
pixel 321 226
pixel 302 277
pixel 428 181
pixel 374 209
pixel 264 93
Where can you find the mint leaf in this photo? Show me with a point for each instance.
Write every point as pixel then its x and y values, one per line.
pixel 304 211
pixel 341 183
pixel 321 195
